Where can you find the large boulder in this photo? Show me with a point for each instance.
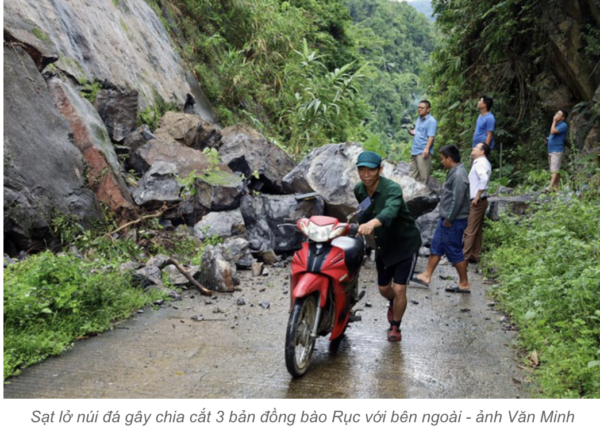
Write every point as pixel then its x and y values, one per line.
pixel 519 205
pixel 158 186
pixel 427 224
pixel 186 159
pixel 91 138
pixel 123 42
pixel 331 171
pixel 189 130
pixel 245 150
pixel 219 190
pixel 118 110
pixel 264 214
pixel 220 225
pixel 44 173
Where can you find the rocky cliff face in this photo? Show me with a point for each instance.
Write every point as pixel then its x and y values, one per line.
pixel 572 79
pixel 122 42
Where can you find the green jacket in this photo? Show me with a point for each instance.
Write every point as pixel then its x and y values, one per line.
pixel 398 238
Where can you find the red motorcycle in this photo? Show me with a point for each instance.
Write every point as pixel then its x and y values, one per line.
pixel 324 287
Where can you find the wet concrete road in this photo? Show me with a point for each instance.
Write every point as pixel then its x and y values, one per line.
pixel 454 346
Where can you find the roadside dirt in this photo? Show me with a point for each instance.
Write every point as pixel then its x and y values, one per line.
pixel 454 346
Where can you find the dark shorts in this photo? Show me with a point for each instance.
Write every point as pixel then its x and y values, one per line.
pixel 401 272
pixel 448 241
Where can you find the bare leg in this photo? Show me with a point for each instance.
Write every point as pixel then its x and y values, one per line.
pixel 399 301
pixel 463 280
pixel 432 263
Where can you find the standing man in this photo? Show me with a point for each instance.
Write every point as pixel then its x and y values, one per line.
pixel 422 145
pixel 486 122
pixel 454 211
pixel 479 177
pixel 556 146
pixel 397 238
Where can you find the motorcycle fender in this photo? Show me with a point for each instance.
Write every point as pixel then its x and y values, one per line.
pixel 310 283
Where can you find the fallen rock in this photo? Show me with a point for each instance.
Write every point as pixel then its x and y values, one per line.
pixel 245 150
pixel 237 250
pixel 160 185
pixel 129 266
pixel 160 261
pixel 331 171
pixel 138 138
pixel 519 205
pixel 216 273
pixel 177 278
pixel 147 276
pixel 118 110
pixel 427 224
pixel 220 225
pixel 257 269
pixel 219 190
pixel 264 213
pixel 189 130
pixel 186 159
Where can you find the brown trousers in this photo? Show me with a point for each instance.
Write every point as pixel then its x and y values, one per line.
pixel 474 231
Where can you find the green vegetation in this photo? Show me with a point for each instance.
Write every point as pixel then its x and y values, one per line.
pixel 51 300
pixel 152 114
pixel 547 265
pixel 40 34
pixel 397 42
pixel 90 90
pixel 298 70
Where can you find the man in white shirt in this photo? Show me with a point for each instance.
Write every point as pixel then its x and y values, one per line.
pixel 479 177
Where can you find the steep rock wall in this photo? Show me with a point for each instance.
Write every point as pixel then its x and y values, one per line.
pixel 120 41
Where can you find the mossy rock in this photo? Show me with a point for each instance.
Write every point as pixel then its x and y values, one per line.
pixel 220 178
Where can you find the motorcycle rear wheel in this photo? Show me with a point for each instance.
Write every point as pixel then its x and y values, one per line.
pixel 299 345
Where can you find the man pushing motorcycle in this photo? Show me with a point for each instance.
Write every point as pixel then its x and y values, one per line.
pixel 397 239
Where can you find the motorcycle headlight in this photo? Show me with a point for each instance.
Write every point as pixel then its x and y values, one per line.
pixel 319 233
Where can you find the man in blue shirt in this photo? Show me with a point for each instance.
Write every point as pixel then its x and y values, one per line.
pixel 486 122
pixel 422 145
pixel 556 146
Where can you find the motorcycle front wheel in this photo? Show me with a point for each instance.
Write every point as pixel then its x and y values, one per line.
pixel 298 343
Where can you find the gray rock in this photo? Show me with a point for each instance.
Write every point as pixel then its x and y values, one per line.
pixel 89 44
pixel 245 150
pixel 519 205
pixel 189 130
pixel 216 273
pixel 158 186
pixel 160 261
pixel 265 305
pixel 177 278
pixel 44 173
pixel 118 110
pixel 219 190
pixel 240 301
pixel 147 276
pixel 427 224
pixel 103 171
pixel 128 266
pixel 331 171
pixel 138 138
pixel 221 225
pixel 264 213
pixel 186 159
pixel 237 250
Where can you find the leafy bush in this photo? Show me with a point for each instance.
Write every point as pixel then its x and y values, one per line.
pixel 548 267
pixel 51 300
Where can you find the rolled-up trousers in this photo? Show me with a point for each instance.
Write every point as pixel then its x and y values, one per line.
pixel 474 230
